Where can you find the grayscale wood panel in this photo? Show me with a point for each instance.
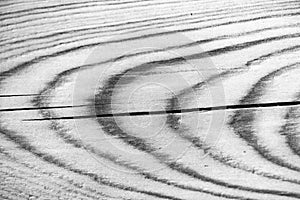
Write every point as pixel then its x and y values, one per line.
pixel 152 99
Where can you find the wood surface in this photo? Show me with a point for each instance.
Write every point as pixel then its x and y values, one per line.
pixel 152 99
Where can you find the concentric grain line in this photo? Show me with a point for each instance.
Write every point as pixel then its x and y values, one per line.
pixel 23 144
pixel 242 120
pixel 112 129
pixel 40 101
pixel 290 128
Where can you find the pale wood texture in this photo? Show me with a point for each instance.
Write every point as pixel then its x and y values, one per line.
pixel 101 99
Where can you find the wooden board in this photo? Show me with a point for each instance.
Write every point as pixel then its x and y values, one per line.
pixel 150 99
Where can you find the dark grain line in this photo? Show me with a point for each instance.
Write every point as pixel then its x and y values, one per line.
pixel 242 120
pixel 173 120
pixel 112 129
pixel 289 129
pixel 25 145
pixel 40 101
pixel 155 22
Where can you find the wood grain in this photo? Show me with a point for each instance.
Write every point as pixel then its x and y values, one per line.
pixel 150 99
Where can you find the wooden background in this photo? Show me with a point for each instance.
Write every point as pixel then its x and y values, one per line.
pixel 150 99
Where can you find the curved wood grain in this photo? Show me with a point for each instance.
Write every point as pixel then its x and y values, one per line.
pixel 98 58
